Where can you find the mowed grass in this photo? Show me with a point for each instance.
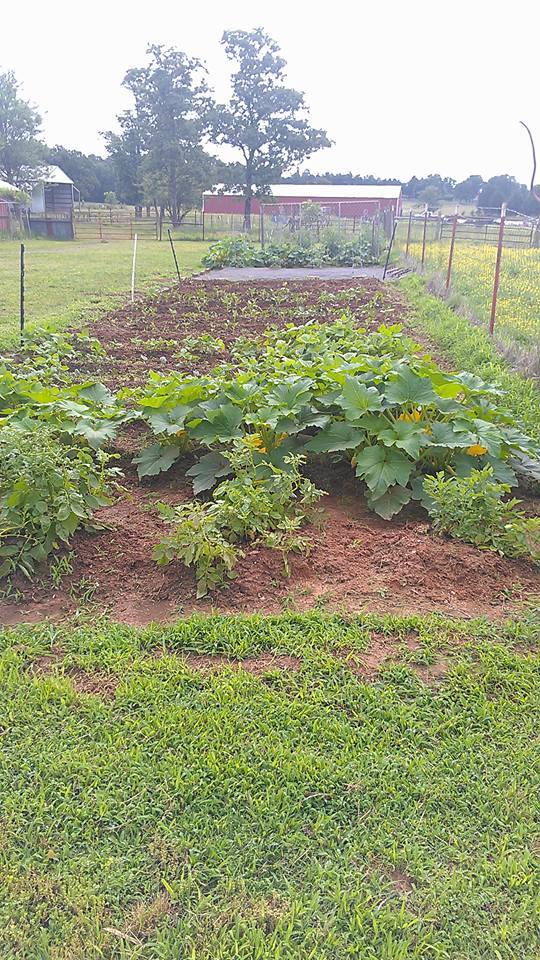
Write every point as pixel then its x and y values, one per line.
pixel 69 282
pixel 301 813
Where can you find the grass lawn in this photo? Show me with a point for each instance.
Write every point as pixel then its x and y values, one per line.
pixel 68 281
pixel 160 805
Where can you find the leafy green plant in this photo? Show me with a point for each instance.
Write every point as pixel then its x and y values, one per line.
pixel 262 497
pixel 332 389
pixel 88 411
pixel 198 540
pixel 474 509
pixel 260 501
pixel 47 490
pixel 300 250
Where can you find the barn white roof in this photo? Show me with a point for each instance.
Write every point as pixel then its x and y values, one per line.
pixel 4 185
pixel 53 174
pixel 324 191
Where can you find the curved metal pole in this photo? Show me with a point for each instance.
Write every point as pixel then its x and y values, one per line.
pixel 532 186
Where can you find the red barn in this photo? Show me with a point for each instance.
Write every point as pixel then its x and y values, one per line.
pixel 345 200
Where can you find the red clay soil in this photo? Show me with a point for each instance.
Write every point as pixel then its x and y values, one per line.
pixel 148 334
pixel 357 562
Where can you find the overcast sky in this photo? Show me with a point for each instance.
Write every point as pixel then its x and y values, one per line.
pixel 402 88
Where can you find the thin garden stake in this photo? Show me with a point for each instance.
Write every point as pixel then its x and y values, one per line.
pixel 174 254
pixel 22 294
pixel 497 271
pixel 134 261
pixel 391 244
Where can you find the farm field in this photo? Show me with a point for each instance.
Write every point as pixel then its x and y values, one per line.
pixel 328 753
pixel 518 305
pixel 68 282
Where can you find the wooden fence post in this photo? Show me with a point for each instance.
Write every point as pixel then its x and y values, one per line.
pixel 424 236
pixel 497 277
pixel 407 245
pixel 451 253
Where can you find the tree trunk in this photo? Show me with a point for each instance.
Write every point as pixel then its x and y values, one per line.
pixel 248 194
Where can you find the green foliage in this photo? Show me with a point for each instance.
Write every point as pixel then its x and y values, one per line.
pixel 198 540
pixel 473 508
pixel 85 410
pixel 265 121
pixel 21 152
pixel 260 501
pixel 298 251
pixel 159 148
pixel 47 490
pixel 333 388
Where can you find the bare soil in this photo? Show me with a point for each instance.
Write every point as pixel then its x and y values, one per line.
pixel 357 562
pixel 151 333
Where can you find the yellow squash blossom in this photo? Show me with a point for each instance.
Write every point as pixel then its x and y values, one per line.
pixel 476 450
pixel 413 417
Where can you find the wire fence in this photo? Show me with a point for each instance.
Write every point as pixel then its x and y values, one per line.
pixel 349 220
pixel 489 265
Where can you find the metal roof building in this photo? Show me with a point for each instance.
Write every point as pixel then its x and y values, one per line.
pixel 350 199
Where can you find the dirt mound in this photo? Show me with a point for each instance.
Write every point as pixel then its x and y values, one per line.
pixel 357 562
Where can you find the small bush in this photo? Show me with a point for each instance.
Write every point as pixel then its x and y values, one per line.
pixel 47 490
pixel 473 509
pixel 198 541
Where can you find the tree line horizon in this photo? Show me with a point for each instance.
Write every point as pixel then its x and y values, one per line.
pixel 159 157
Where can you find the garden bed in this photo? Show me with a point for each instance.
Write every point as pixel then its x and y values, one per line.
pixel 358 562
pixel 167 331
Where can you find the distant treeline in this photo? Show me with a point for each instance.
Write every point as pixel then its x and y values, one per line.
pixel 435 190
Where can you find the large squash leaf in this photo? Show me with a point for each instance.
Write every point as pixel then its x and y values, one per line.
pixel 380 467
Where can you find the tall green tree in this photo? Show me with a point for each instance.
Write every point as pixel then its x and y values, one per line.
pixel 265 121
pixel 126 151
pixel 159 151
pixel 21 151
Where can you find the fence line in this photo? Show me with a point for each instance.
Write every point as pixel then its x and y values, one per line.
pixel 492 262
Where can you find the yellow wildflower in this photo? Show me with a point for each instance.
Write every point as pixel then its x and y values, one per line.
pixel 476 450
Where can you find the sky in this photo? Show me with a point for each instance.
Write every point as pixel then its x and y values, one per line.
pixel 401 88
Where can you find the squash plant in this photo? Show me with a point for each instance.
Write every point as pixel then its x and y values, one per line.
pixel 335 390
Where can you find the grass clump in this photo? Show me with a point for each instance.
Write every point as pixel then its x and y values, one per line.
pixel 470 348
pixel 301 813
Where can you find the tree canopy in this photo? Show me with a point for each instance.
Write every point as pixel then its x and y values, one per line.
pixel 265 121
pixel 21 151
pixel 159 155
pixel 92 175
